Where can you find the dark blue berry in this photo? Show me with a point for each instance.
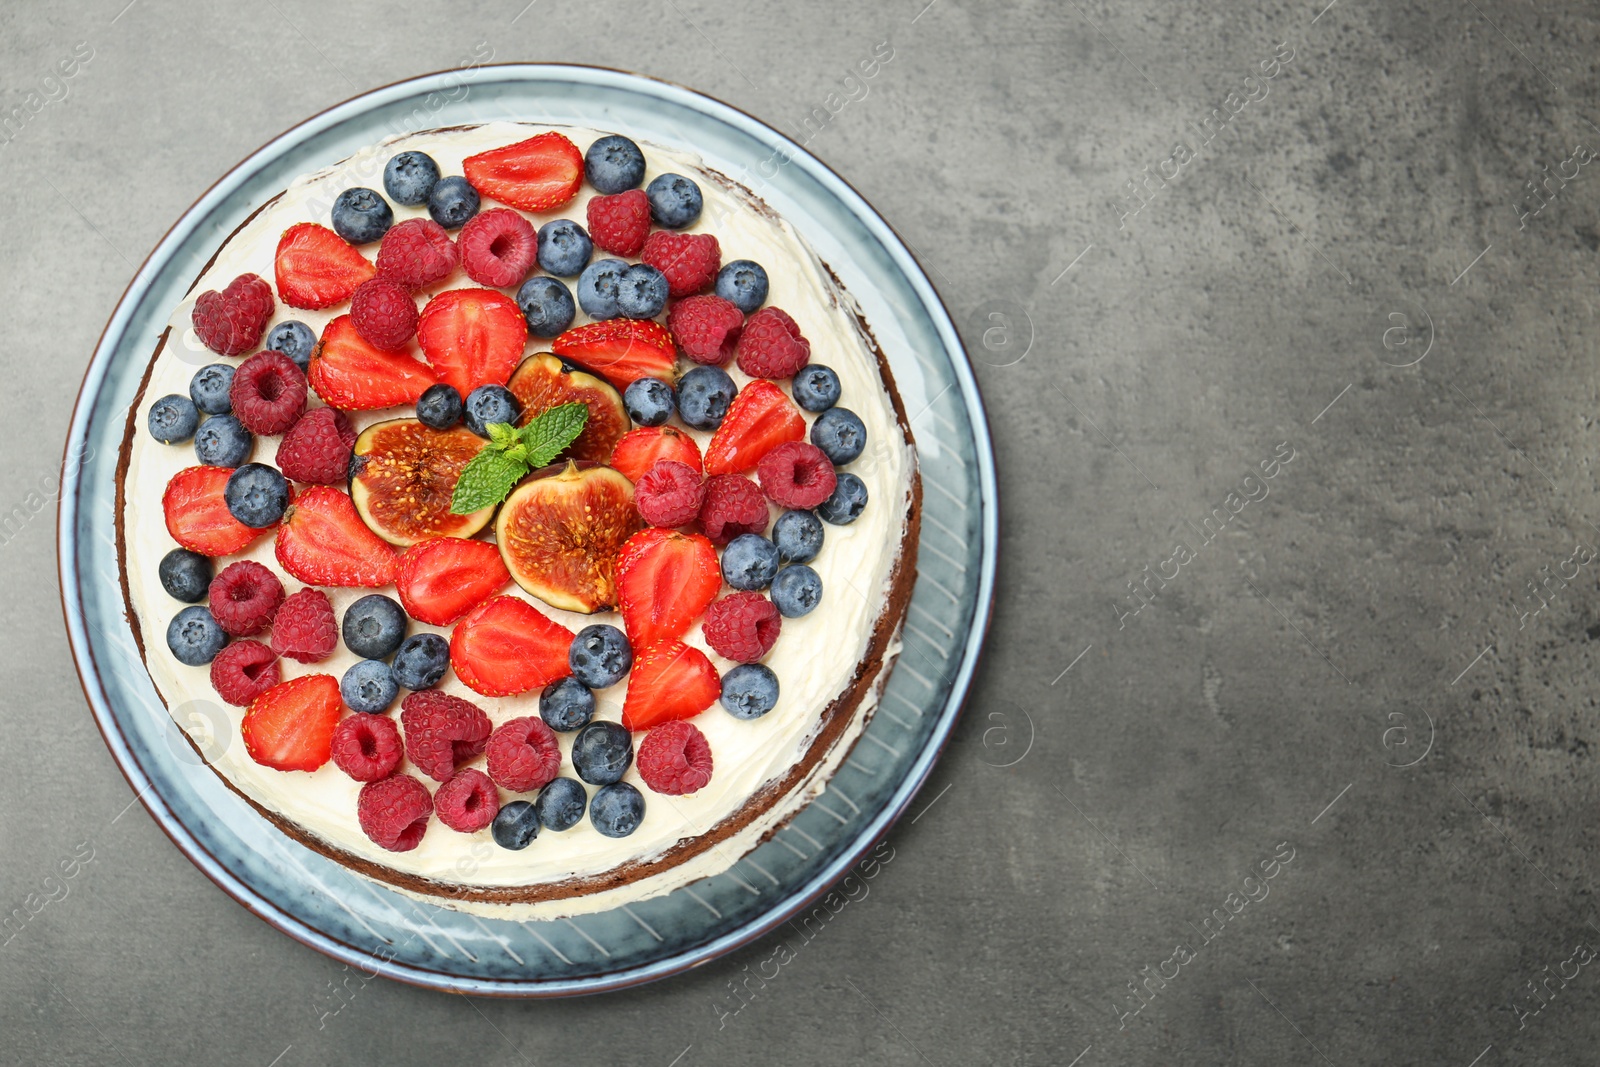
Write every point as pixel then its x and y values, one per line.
pixel 602 752
pixel 749 691
pixel 409 177
pixel 840 433
pixel 452 201
pixel 798 535
pixel 547 304
pixel 849 499
pixel 560 804
pixel 173 419
pixel 185 575
pixel 439 406
pixel 614 164
pixel 222 441
pixel 490 403
pixel 209 388
pixel 515 826
pixel 600 655
pixel 369 687
pixel 597 288
pixel 361 216
pixel 743 283
pixel 256 495
pixel 704 394
pixel 294 339
pixel 564 248
pixel 796 590
pixel 649 401
pixel 566 705
pixel 641 292
pixel 421 661
pixel 749 562
pixel 675 201
pixel 617 809
pixel 815 387
pixel 374 626
pixel 195 637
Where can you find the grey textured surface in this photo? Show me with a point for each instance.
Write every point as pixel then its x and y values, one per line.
pixel 1118 775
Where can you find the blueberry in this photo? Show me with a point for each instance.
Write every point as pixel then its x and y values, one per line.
pixel 173 419
pixel 515 826
pixel 547 304
pixel 600 655
pixel 849 499
pixel 560 804
pixel 566 705
pixel 222 441
pixel 641 292
pixel 749 690
pixel 796 590
pixel 452 201
pixel 421 661
pixel 749 562
pixel 294 339
pixel 617 809
pixel 614 164
pixel 649 401
pixel 369 687
pixel 361 216
pixel 674 200
pixel 840 433
pixel 490 403
pixel 209 388
pixel 374 626
pixel 564 248
pixel 815 387
pixel 602 752
pixel 597 288
pixel 743 283
pixel 409 177
pixel 195 637
pixel 798 535
pixel 704 394
pixel 439 406
pixel 185 575
pixel 256 495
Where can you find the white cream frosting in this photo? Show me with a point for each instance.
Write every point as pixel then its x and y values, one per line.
pixel 815 656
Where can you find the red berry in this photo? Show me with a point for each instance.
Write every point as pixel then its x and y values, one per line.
pixel 524 755
pixel 734 505
pixel 349 373
pixel 416 253
pixel 230 322
pixel 669 680
pixel 443 578
pixel 619 224
pixel 383 313
pixel 497 247
pixel 665 579
pixel 322 540
pixel 472 337
pixel 620 350
pixel 706 328
pixel 674 759
pixel 243 671
pixel 268 393
pixel 468 802
pixel 316 268
pixel 442 731
pixel 742 626
pixel 540 173
pixel 290 726
pixel 394 812
pixel 367 747
pixel 317 448
pixel 244 597
pixel 689 260
pixel 797 474
pixel 771 345
pixel 639 450
pixel 506 646
pixel 761 418
pixel 197 514
pixel 669 493
pixel 304 628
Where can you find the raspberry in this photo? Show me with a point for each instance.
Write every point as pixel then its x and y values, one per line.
pixel 689 260
pixel 367 747
pixel 797 475
pixel 706 328
pixel 619 224
pixel 771 345
pixel 394 812
pixel 497 248
pixel 669 493
pixel 317 448
pixel 243 671
pixel 733 506
pixel 674 758
pixel 416 253
pixel 383 313
pixel 442 731
pixel 268 393
pixel 230 322
pixel 524 755
pixel 244 597
pixel 742 626
pixel 304 628
pixel 468 802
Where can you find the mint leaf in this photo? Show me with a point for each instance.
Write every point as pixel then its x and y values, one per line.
pixel 511 453
pixel 502 434
pixel 548 434
pixel 485 480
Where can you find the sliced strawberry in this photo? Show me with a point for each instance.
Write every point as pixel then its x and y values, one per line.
pixel 316 268
pixel 665 580
pixel 538 174
pixel 290 726
pixel 197 515
pixel 507 646
pixel 472 337
pixel 443 578
pixel 638 450
pixel 620 350
pixel 760 419
pixel 322 541
pixel 350 374
pixel 669 680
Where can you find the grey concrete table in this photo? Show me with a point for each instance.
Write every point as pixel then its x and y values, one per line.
pixel 1284 746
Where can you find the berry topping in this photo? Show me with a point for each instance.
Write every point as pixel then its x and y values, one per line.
pixel 743 283
pixel 409 177
pixel 294 339
pixel 704 396
pixel 394 812
pixel 230 322
pixel 649 401
pixel 185 575
pixel 244 597
pixel 173 419
pixel 674 759
pixel 290 726
pixel 547 305
pixel 750 562
pixel 617 809
pixel 516 825
pixel 316 268
pixel 222 441
pixel 490 404
pixel 597 288
pixel 243 671
pixel 322 541
pixel 442 731
pixel 421 661
pixel 670 680
pixel 564 248
pixel 468 802
pixel 566 705
pixel 706 328
pixel 304 628
pixel 796 590
pixel 350 374
pixel 760 419
pixel 316 449
pixel 613 163
pixel 815 387
pixel 211 384
pixel 840 434
pixel 440 407
pixel 367 747
pixel 600 655
pixel 675 201
pixel 796 475
pixel 497 248
pixel 560 804
pixel 197 513
pixel 848 501
pixel 620 350
pixel 361 216
pixel 452 202
pixel 665 579
pixel 619 224
pixel 742 626
pixel 689 260
pixel 669 494
pixel 443 578
pixel 523 754
pixel 369 687
pixel 268 392
pixel 771 345
pixel 256 495
pixel 507 646
pixel 749 691
pixel 194 637
pixel 641 449
pixel 472 337
pixel 416 253
pixel 602 752
pixel 374 626
pixel 537 174
pixel 734 506
pixel 383 313
pixel 641 292
pixel 798 535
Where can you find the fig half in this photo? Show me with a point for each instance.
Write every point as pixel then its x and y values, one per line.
pixel 542 381
pixel 561 530
pixel 403 476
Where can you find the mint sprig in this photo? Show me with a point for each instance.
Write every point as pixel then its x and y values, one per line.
pixel 512 453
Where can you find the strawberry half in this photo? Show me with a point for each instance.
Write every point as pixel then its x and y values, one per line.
pixel 322 541
pixel 760 419
pixel 669 680
pixel 538 174
pixel 638 450
pixel 472 337
pixel 443 578
pixel 665 580
pixel 316 268
pixel 197 515
pixel 352 375
pixel 290 726
pixel 620 350
pixel 507 646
